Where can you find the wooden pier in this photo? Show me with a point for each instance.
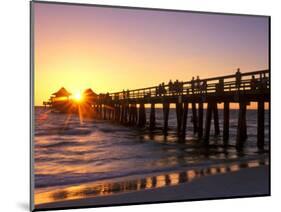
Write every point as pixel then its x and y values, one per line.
pixel 128 107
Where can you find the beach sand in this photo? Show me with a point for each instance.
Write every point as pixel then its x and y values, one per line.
pixel 246 182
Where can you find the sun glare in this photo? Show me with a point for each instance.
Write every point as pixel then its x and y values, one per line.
pixel 78 97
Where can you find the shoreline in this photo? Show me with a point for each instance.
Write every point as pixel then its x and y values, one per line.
pixel 242 183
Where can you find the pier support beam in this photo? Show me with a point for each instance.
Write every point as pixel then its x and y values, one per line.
pixel 113 111
pixel 194 117
pixel 122 108
pixel 104 112
pixel 101 111
pixel 127 109
pixel 131 114
pixel 216 118
pixel 200 119
pixel 142 116
pixel 260 127
pixel 208 122
pixel 135 115
pixel 124 114
pixel 241 127
pixel 179 116
pixel 166 109
pixel 226 123
pixel 118 114
pixel 152 117
pixel 98 111
pixel 108 113
pixel 184 118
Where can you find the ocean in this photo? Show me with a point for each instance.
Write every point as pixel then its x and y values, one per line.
pixel 70 152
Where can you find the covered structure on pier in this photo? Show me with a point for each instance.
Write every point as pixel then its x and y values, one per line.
pixel 60 94
pixel 60 100
pixel 89 96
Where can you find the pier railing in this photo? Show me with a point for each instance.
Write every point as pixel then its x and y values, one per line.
pixel 256 80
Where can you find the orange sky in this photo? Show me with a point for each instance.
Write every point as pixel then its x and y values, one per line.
pixel 110 49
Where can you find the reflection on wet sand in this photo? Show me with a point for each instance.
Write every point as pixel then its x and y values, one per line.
pixel 108 188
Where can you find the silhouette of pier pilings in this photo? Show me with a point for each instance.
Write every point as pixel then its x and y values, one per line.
pixel 128 107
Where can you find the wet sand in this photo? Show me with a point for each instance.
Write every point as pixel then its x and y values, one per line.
pixel 245 182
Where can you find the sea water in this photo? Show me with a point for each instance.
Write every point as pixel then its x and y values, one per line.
pixel 71 151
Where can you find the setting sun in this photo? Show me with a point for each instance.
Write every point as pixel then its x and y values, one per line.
pixel 78 96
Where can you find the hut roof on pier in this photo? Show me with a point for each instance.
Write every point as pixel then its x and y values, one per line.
pixel 89 93
pixel 61 92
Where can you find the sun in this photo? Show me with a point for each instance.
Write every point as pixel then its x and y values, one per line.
pixel 78 97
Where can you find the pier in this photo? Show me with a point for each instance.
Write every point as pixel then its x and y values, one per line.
pixel 129 107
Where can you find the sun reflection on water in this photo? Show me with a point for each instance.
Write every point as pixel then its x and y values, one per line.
pixel 107 188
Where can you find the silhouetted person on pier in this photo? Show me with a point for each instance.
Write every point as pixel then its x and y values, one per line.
pixel 170 85
pixel 181 87
pixel 107 96
pixel 220 86
pixel 197 83
pixel 263 81
pixel 238 78
pixel 253 83
pixel 128 94
pixel 176 87
pixel 192 85
pixel 163 88
pixel 160 90
pixel 203 86
pixel 157 91
pixel 124 94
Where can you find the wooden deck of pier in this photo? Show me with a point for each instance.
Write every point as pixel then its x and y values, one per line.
pixel 128 107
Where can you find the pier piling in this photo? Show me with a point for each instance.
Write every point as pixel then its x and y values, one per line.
pixel 166 108
pixel 260 128
pixel 179 116
pixel 200 119
pixel 122 114
pixel 216 118
pixel 241 126
pixel 194 117
pixel 208 122
pixel 142 116
pixel 131 114
pixel 135 114
pixel 226 123
pixel 152 117
pixel 184 118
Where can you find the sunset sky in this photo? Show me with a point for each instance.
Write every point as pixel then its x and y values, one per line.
pixel 111 49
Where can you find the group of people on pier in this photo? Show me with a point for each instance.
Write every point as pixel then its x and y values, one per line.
pixel 173 88
pixel 176 87
pixel 255 84
pixel 259 84
pixel 160 89
pixel 198 86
